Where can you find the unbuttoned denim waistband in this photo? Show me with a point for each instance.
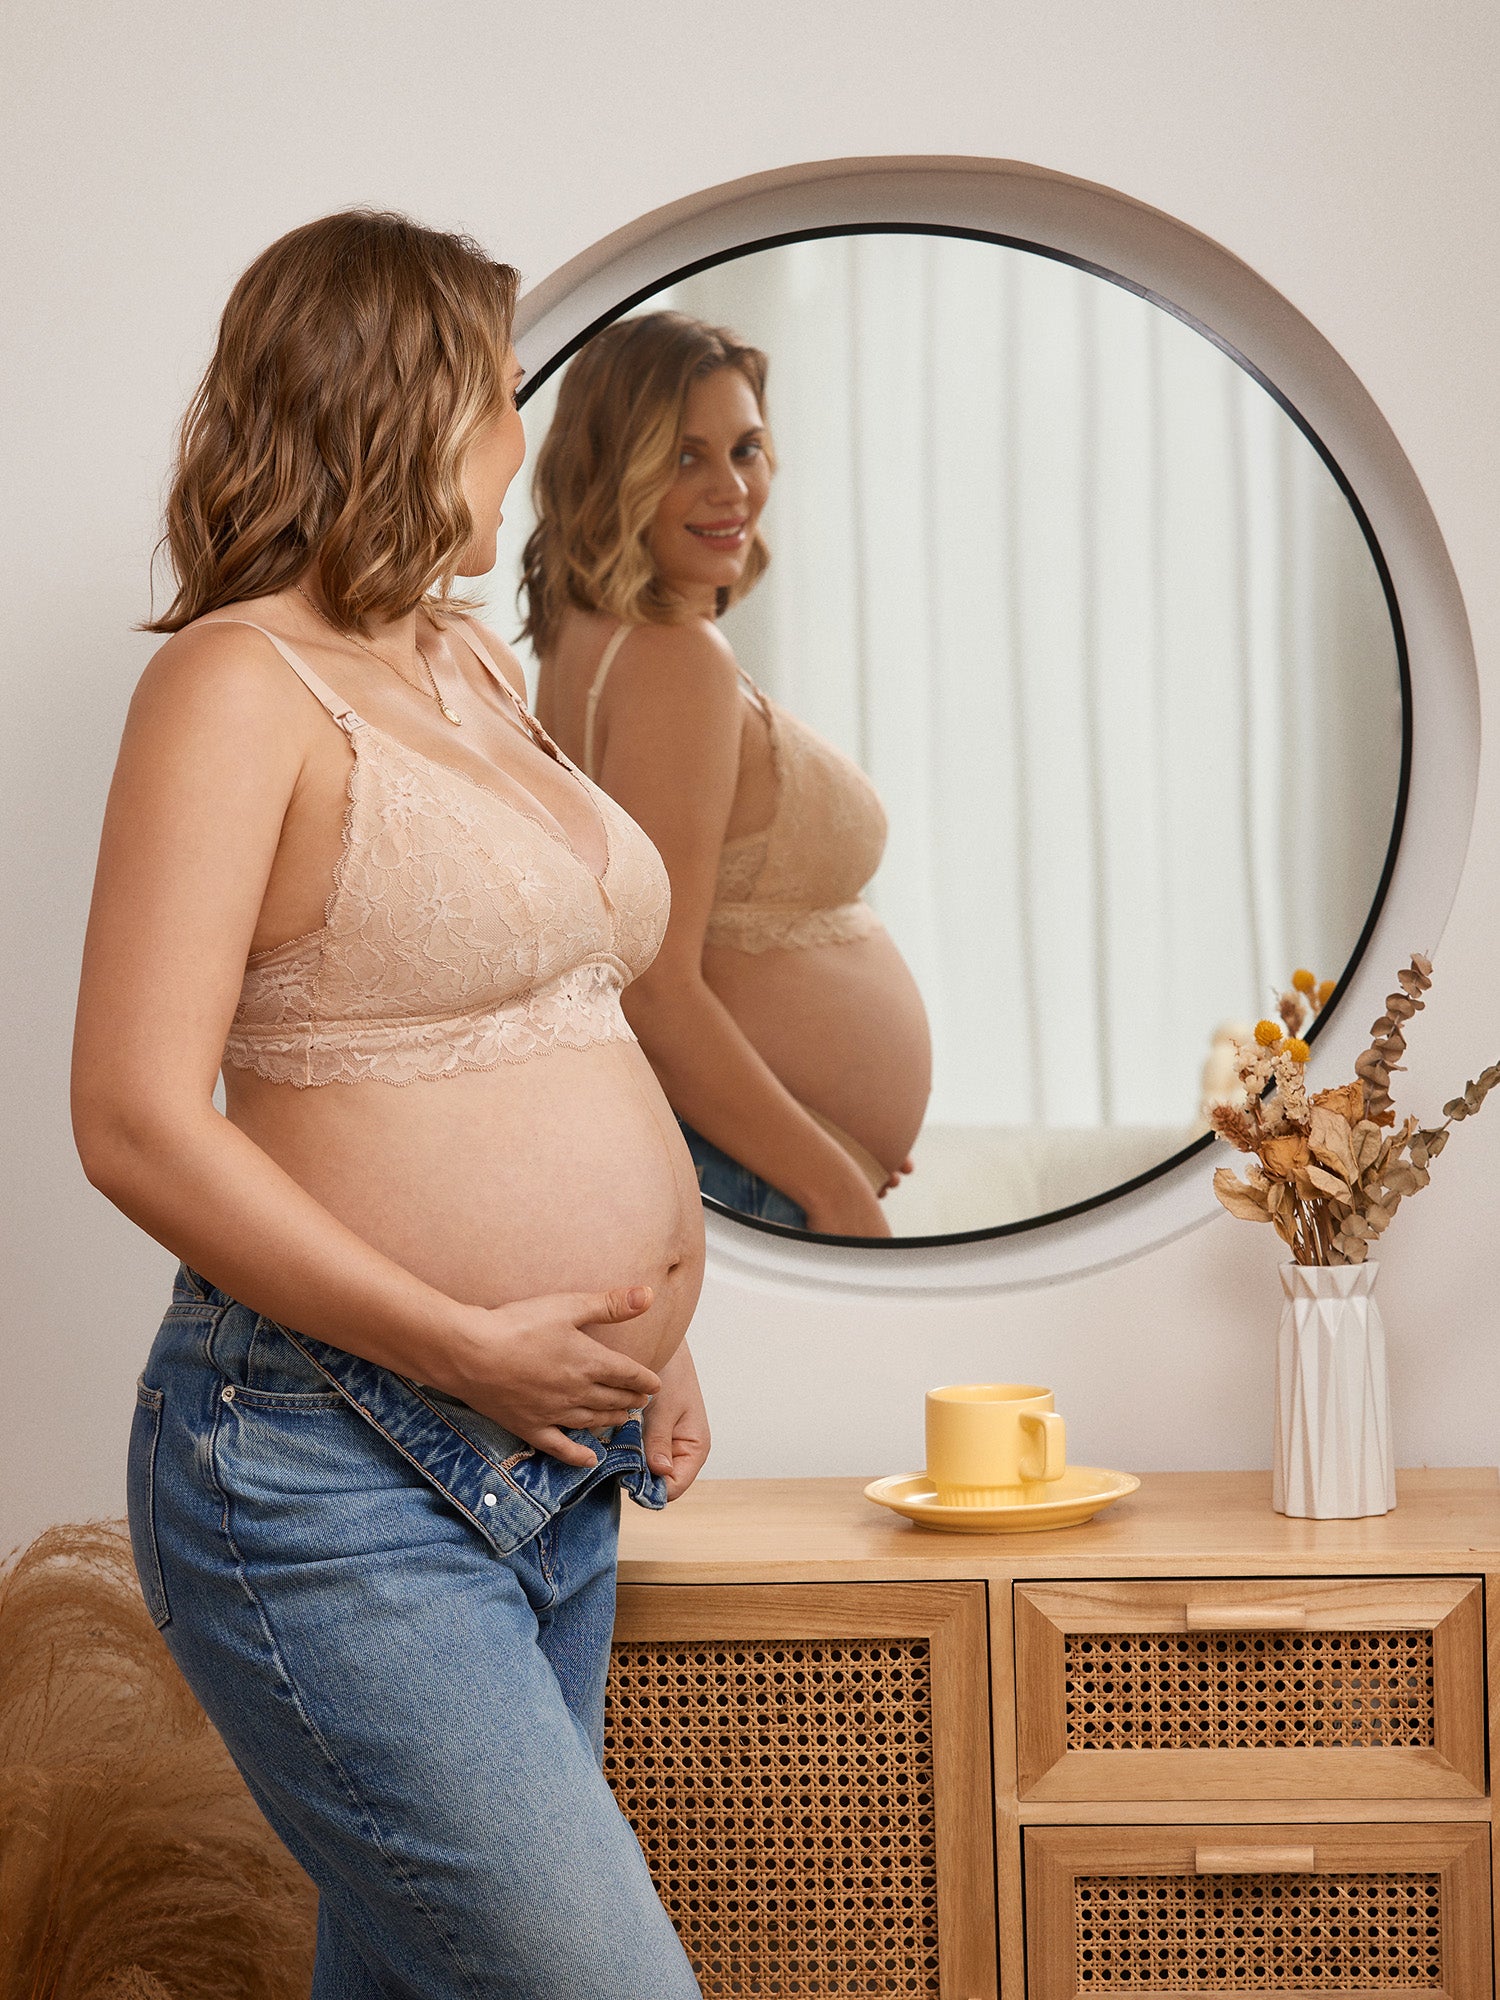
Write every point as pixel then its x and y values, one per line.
pixel 506 1487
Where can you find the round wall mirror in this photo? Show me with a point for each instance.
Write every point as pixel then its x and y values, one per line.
pixel 1105 627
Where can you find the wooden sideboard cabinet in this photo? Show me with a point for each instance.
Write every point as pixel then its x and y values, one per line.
pixel 1190 1748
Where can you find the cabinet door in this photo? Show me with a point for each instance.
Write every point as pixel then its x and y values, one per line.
pixel 1272 1688
pixel 1301 1910
pixel 807 1768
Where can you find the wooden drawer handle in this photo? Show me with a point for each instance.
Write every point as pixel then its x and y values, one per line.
pixel 1246 1617
pixel 1253 1861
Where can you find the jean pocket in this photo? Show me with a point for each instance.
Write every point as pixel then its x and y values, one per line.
pixel 263 1368
pixel 140 1499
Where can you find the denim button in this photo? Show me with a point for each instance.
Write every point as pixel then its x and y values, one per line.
pixel 489 1499
pixel 227 1395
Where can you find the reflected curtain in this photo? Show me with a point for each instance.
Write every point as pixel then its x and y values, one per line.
pixel 1098 622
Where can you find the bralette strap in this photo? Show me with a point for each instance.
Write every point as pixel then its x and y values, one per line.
pixel 316 686
pixel 757 694
pixel 591 706
pixel 487 660
pixel 529 722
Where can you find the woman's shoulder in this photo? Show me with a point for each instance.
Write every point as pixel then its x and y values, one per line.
pixel 667 654
pixel 676 685
pixel 223 666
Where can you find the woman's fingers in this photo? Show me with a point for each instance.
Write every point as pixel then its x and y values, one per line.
pixel 611 1375
pixel 557 1444
pixel 656 1440
pixel 608 1368
pixel 604 1308
pixel 688 1455
pixel 552 1438
pixel 551 1374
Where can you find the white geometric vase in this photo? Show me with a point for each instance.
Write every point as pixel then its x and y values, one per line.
pixel 1333 1415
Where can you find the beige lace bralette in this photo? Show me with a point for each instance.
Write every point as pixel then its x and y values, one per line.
pixel 799 880
pixel 461 931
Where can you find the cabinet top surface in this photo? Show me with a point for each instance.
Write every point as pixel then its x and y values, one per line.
pixel 791 1530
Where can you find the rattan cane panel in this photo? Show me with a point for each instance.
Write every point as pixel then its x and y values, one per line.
pixel 1257 1933
pixel 782 1791
pixel 1249 1690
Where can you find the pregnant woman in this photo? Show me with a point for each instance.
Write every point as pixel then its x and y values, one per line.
pixel 441 1248
pixel 779 1016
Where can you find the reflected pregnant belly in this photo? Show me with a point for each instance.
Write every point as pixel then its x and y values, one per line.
pixel 563 1173
pixel 843 1027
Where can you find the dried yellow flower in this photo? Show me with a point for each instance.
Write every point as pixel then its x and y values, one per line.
pixel 1303 980
pixel 1268 1033
pixel 1297 1049
pixel 1325 992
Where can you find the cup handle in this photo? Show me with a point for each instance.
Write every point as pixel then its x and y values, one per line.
pixel 1053 1441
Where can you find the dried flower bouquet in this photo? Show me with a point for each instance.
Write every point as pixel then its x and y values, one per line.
pixel 1330 1170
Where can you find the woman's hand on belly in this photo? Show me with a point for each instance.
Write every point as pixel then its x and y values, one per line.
pixel 532 1367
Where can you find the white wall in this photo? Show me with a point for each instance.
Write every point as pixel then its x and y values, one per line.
pixel 1345 152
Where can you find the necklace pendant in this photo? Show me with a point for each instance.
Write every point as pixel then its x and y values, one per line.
pixel 449 716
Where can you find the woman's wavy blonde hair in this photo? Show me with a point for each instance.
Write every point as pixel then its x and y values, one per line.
pixel 357 359
pixel 608 459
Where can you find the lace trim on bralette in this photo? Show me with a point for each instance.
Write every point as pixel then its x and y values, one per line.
pixel 763 927
pixel 578 1009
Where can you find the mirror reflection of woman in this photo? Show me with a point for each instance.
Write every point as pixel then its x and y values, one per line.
pixel 442 1246
pixel 781 1019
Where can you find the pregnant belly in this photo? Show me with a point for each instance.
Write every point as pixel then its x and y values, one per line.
pixel 843 1027
pixel 563 1173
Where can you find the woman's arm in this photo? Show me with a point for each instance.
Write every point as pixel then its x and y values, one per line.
pixel 214 754
pixel 676 1432
pixel 671 759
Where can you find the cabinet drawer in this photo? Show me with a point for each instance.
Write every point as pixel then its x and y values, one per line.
pixel 1354 1910
pixel 1269 1688
pixel 807 1770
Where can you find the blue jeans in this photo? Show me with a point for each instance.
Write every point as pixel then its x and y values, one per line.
pixel 398 1617
pixel 725 1180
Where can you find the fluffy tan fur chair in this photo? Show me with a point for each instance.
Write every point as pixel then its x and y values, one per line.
pixel 134 1865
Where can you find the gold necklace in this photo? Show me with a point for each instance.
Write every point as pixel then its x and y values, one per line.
pixel 444 710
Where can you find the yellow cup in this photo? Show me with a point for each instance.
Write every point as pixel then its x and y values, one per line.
pixel 986 1440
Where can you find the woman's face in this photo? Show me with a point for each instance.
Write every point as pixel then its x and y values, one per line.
pixel 491 462
pixel 706 520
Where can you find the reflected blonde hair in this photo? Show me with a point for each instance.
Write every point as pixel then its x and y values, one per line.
pixel 609 458
pixel 357 359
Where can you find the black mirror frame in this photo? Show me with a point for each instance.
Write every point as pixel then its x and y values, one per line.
pixel 752 246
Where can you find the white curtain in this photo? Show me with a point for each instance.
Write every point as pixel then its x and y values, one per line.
pixel 1098 622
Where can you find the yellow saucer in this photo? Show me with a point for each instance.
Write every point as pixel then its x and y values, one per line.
pixel 1053 1503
